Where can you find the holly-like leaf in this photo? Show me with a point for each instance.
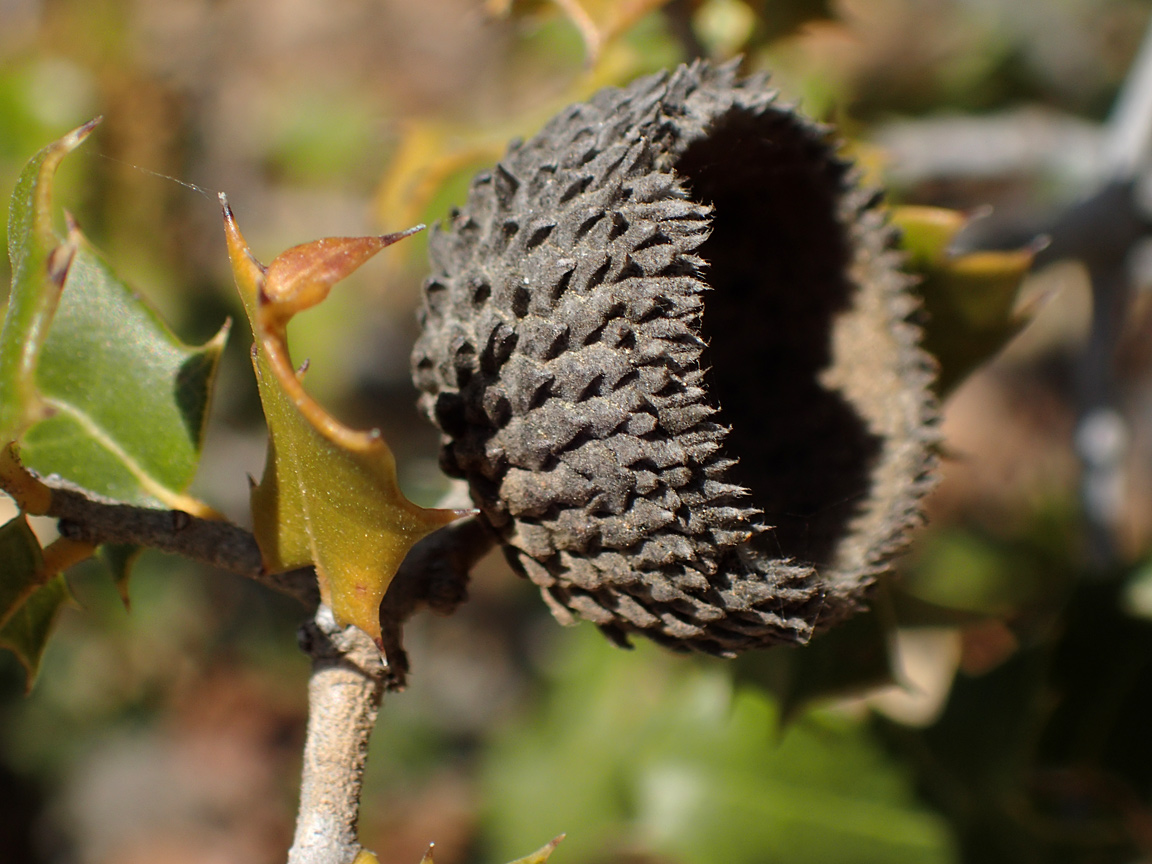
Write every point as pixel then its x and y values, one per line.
pixel 39 265
pixel 32 590
pixel 329 495
pixel 21 561
pixel 93 384
pixel 26 633
pixel 128 400
pixel 970 299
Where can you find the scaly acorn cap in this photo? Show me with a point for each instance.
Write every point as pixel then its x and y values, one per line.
pixel 667 343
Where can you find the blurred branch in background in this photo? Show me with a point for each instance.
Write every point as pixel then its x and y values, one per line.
pixel 1102 172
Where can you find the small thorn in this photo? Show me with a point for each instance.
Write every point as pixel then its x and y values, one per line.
pixel 59 262
pixel 77 135
pixel 389 239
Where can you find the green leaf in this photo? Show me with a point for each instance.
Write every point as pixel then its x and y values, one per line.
pixel 93 384
pixel 21 561
pixel 970 299
pixel 27 631
pixel 329 496
pixel 28 604
pixel 662 758
pixel 39 263
pixel 129 399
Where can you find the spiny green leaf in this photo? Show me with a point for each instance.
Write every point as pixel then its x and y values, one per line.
pixel 93 385
pixel 26 632
pixel 970 299
pixel 21 561
pixel 329 495
pixel 129 399
pixel 39 263
pixel 28 603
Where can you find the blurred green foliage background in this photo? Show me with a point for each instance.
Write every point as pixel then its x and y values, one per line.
pixel 992 708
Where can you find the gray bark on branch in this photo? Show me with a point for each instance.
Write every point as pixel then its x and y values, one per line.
pixel 215 542
pixel 434 574
pixel 344 696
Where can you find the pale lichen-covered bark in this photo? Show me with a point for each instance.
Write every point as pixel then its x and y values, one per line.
pixel 344 695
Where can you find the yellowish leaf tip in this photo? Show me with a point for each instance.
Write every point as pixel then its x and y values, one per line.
pixel 76 137
pixel 542 854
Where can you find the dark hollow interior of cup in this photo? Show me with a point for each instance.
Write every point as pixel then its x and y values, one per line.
pixel 778 257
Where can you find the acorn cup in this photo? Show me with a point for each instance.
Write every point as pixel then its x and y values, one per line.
pixel 667 343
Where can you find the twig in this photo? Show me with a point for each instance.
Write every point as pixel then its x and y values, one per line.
pixel 1129 133
pixel 1102 432
pixel 434 574
pixel 84 516
pixel 344 695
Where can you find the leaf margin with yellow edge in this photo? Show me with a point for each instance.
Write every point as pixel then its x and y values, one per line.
pixel 40 262
pixel 322 481
pixel 970 300
pixel 128 400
